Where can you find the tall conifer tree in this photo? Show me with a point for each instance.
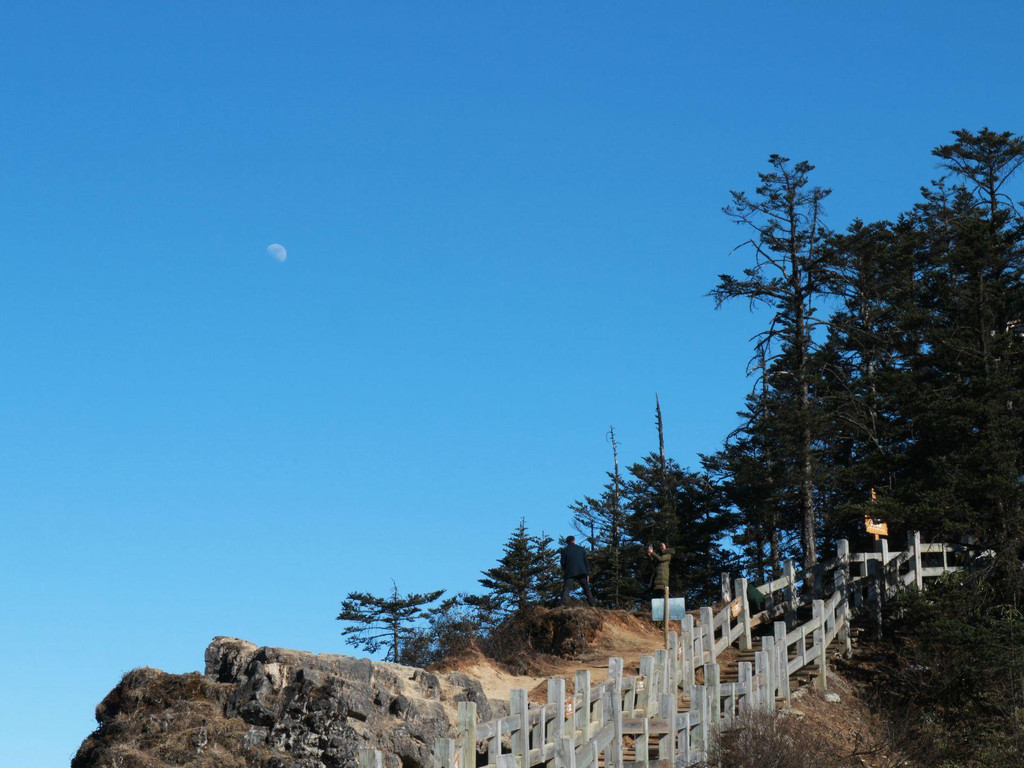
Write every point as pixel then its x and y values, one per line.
pixel 787 234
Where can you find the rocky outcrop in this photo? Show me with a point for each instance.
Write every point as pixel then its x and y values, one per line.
pixel 276 708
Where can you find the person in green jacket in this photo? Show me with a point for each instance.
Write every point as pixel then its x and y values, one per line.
pixel 663 557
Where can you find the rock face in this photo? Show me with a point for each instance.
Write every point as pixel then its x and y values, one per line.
pixel 276 708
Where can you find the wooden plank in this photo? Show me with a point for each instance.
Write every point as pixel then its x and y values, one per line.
pixel 652 725
pixel 604 736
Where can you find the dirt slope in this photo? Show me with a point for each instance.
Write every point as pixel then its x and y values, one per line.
pixel 608 634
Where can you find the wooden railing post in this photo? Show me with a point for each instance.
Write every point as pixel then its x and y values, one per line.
pixel 914 541
pixel 758 680
pixel 782 650
pixel 643 697
pixel 714 696
pixel 683 743
pixel 792 598
pixel 883 547
pixel 581 717
pixel 519 707
pixel 444 753
pixel 673 662
pixel 707 620
pixel 698 705
pixel 661 672
pixel 821 681
pixel 745 684
pixel 565 753
pixel 539 737
pixel 465 739
pixel 842 582
pixel 770 667
pixel 370 758
pixel 494 745
pixel 613 757
pixel 741 593
pixel 556 704
pixel 686 678
pixel 667 704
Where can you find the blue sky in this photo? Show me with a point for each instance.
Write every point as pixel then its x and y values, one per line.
pixel 501 222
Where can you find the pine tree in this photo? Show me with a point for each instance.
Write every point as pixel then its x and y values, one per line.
pixel 527 574
pixel 789 275
pixel 969 370
pixel 383 622
pixel 866 369
pixel 746 473
pixel 696 528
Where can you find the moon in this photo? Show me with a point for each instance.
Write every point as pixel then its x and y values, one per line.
pixel 277 252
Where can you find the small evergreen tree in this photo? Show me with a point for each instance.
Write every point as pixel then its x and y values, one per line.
pixel 383 622
pixel 527 574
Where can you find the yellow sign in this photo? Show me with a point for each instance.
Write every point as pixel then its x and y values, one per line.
pixel 736 608
pixel 877 527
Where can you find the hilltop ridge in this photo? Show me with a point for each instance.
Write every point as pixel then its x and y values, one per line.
pixel 262 707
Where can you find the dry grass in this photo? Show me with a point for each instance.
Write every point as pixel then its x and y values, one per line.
pixel 155 720
pixel 782 740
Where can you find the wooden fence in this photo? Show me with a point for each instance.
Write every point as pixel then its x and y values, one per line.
pixel 662 716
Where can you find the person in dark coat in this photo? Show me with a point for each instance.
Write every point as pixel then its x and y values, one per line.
pixel 574 568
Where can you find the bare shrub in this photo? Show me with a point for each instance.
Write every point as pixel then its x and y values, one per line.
pixel 774 740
